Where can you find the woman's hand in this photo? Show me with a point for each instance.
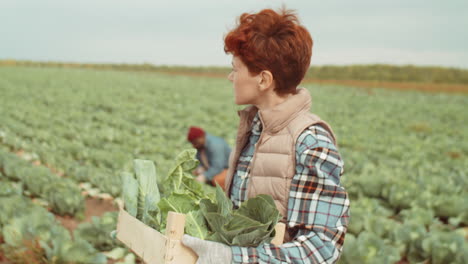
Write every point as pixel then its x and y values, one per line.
pixel 208 252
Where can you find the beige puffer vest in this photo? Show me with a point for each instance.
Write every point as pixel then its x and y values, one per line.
pixel 274 162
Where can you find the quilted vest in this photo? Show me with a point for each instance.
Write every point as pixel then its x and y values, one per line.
pixel 274 161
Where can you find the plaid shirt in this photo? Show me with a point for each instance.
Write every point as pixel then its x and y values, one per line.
pixel 317 206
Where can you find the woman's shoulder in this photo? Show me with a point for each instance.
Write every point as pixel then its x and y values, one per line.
pixel 314 136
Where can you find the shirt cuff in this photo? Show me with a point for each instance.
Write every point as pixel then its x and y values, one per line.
pixel 244 254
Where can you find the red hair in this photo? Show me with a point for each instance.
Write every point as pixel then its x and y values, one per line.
pixel 275 42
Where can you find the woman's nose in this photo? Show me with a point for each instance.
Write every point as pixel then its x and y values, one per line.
pixel 230 76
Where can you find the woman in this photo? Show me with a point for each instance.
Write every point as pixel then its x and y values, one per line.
pixel 282 149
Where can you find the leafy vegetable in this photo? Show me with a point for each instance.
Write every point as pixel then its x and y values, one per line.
pixel 22 221
pixel 180 179
pixel 65 197
pixel 67 251
pixel 62 194
pixel 176 202
pixel 130 193
pixel 148 192
pixel 253 223
pixel 250 225
pixel 195 225
pixel 368 248
pixel 8 188
pixel 97 231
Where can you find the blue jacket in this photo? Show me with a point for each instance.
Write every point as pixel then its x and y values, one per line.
pixel 217 152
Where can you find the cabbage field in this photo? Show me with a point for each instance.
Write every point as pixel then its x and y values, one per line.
pixel 405 154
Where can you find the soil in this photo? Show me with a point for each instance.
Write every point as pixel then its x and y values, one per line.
pixel 3 260
pixel 403 261
pixel 93 207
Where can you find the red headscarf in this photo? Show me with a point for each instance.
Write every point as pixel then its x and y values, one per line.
pixel 194 133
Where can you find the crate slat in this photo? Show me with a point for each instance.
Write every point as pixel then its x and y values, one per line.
pixel 143 240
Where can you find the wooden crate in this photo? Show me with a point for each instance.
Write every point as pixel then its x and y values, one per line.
pixel 156 248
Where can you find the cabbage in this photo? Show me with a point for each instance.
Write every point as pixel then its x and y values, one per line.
pixel 8 188
pixel 64 196
pixel 148 192
pixel 97 231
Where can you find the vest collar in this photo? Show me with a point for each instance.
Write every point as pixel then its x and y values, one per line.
pixel 276 118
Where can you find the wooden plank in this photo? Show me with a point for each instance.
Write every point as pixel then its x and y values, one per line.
pixel 143 240
pixel 280 228
pixel 176 252
pixel 175 225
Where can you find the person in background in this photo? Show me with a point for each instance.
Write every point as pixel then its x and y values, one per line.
pixel 213 153
pixel 282 149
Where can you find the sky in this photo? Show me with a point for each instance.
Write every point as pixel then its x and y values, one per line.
pixel 190 32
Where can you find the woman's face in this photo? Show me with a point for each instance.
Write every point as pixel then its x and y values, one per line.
pixel 246 90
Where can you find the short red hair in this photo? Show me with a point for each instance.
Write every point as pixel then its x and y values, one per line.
pixel 275 42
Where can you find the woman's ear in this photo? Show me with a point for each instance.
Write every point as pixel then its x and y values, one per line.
pixel 265 81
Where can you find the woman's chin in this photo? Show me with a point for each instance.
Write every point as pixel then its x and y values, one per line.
pixel 238 102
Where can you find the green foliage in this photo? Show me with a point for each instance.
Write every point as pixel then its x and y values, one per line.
pixel 37 179
pixel 29 225
pixel 408 238
pixel 375 72
pixel 96 121
pixel 195 224
pixel 106 182
pixel 8 188
pixel 381 72
pixel 250 225
pixel 180 179
pixel 253 223
pixel 368 248
pixel 12 166
pixel 418 215
pixel 364 210
pixel 130 193
pixel 450 205
pixel 78 172
pixel 97 231
pixel 63 195
pixel 445 247
pixel 177 202
pixel 148 192
pixel 22 221
pixel 12 206
pixel 79 251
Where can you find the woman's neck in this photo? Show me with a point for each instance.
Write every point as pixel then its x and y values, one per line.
pixel 270 100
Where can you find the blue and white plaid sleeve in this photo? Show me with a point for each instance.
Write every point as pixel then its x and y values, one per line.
pixel 318 207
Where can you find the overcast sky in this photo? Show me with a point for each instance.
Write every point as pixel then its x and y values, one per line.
pixel 190 32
